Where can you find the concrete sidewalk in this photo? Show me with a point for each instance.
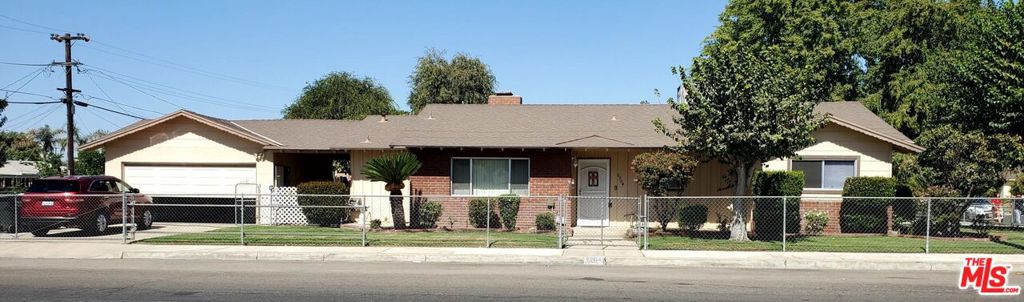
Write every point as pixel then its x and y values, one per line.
pixel 776 260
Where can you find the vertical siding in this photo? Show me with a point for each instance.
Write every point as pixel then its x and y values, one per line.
pixel 379 205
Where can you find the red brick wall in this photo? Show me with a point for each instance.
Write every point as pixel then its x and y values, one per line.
pixel 550 175
pixel 830 207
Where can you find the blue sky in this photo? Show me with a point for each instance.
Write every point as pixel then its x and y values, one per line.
pixel 242 60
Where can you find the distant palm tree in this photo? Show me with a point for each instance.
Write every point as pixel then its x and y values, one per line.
pixel 393 169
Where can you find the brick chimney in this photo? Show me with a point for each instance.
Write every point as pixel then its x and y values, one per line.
pixel 504 98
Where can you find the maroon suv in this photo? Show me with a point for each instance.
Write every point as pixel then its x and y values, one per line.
pixel 90 203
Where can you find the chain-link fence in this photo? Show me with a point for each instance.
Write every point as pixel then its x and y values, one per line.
pixel 848 224
pixel 59 216
pixel 348 220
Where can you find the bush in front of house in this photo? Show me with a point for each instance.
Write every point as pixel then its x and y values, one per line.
pixel 430 213
pixel 866 215
pixel 545 221
pixel 768 211
pixel 946 212
pixel 508 207
pixel 691 218
pixel 324 217
pixel 664 174
pixel 479 214
pixel 815 222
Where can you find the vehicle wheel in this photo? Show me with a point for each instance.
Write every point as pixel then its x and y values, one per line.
pixel 40 232
pixel 146 220
pixel 98 224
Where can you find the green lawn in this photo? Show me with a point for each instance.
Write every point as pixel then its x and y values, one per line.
pixel 318 236
pixel 1013 244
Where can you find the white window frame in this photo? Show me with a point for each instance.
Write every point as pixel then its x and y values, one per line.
pixel 451 172
pixel 856 170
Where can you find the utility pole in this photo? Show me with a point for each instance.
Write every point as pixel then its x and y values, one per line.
pixel 67 38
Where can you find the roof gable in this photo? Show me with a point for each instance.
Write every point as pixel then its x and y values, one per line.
pixel 220 124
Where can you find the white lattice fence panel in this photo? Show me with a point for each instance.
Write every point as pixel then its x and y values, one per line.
pixel 285 207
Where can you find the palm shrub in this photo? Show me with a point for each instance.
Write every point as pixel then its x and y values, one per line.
pixel 430 213
pixel 324 217
pixel 661 173
pixel 508 207
pixel 768 212
pixel 866 215
pixel 482 209
pixel 393 169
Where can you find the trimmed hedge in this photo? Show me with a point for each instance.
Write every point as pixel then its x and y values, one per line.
pixel 545 221
pixel 430 213
pixel 324 217
pixel 478 214
pixel 691 218
pixel 768 212
pixel 508 207
pixel 862 215
pixel 946 213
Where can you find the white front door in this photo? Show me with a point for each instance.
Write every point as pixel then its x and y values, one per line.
pixel 592 185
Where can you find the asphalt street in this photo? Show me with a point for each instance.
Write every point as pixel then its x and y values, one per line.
pixel 188 280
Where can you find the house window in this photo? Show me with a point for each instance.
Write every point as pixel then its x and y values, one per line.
pixel 490 176
pixel 825 174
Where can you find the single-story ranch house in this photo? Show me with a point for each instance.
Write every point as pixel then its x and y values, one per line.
pixel 471 150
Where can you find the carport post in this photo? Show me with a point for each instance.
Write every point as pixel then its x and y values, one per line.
pixel 124 217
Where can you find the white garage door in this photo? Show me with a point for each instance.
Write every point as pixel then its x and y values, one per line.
pixel 188 180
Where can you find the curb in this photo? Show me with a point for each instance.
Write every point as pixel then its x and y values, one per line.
pixel 548 260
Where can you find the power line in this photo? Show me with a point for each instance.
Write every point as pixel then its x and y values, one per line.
pixel 84 104
pixel 25 64
pixel 103 118
pixel 34 103
pixel 177 92
pixel 25 114
pixel 29 93
pixel 110 99
pixel 24 77
pixel 31 24
pixel 16 90
pixel 43 117
pixel 22 29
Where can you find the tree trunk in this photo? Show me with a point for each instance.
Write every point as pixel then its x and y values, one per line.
pixel 397 209
pixel 738 229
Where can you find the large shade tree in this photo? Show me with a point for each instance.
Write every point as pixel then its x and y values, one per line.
pixel 461 80
pixel 341 95
pixel 393 169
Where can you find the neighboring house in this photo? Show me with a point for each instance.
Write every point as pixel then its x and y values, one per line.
pixel 17 174
pixel 471 150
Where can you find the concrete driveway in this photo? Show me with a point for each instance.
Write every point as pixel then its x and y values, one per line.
pixel 114 233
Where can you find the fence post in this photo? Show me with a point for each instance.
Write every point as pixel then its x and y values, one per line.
pixel 124 217
pixel 487 234
pixel 558 220
pixel 645 221
pixel 17 212
pixel 928 229
pixel 784 218
pixel 362 217
pixel 241 221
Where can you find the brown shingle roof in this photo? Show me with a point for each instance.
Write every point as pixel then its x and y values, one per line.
pixel 491 126
pixel 537 126
pixel 855 116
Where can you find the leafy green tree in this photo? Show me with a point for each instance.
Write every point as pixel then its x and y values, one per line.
pixel 896 41
pixel 20 146
pixel 740 112
pixel 91 162
pixel 811 37
pixel 969 162
pixel 393 169
pixel 983 78
pixel 462 80
pixel 341 95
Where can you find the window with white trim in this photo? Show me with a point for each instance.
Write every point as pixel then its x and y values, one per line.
pixel 490 176
pixel 825 174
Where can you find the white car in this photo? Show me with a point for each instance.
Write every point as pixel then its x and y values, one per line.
pixel 979 209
